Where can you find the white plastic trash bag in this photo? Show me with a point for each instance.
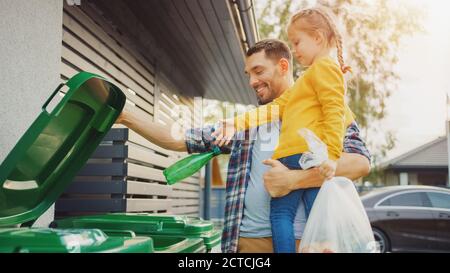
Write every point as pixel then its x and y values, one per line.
pixel 338 222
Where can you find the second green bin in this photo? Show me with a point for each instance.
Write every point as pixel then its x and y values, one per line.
pixel 159 227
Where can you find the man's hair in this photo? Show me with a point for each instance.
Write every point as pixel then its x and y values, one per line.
pixel 273 49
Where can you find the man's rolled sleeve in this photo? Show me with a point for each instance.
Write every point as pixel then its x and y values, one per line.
pixel 199 140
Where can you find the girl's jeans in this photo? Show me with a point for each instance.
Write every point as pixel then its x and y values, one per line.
pixel 283 210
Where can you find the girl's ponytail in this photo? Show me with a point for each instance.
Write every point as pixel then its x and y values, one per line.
pixel 337 38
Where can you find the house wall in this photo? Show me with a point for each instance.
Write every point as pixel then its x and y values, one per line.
pixel 391 178
pixel 30 52
pixel 412 178
pixel 91 43
pixel 431 178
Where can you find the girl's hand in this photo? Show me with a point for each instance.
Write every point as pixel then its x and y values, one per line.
pixel 328 169
pixel 224 133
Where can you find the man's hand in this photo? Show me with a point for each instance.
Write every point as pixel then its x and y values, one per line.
pixel 278 179
pixel 224 133
pixel 328 169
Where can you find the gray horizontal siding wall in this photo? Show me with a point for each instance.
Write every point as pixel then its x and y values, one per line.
pixel 90 43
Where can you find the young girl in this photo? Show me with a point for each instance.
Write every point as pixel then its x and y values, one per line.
pixel 316 102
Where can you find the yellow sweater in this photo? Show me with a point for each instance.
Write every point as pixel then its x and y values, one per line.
pixel 316 102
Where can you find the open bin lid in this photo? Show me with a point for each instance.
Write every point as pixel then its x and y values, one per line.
pixel 56 146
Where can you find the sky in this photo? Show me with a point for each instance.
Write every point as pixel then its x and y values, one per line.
pixel 417 110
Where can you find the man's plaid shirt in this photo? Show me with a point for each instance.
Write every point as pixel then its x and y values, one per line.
pixel 199 140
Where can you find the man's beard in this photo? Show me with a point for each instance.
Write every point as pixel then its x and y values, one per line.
pixel 260 102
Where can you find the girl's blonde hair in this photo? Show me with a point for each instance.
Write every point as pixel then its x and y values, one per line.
pixel 319 19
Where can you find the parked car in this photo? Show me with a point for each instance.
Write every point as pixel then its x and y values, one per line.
pixel 410 218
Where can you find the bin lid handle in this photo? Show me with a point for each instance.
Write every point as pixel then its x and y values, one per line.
pixel 20 185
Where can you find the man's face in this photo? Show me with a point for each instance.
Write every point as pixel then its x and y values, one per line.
pixel 264 77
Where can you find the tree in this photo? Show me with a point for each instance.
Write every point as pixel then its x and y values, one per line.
pixel 372 33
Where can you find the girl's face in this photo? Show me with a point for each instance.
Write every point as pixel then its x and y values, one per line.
pixel 305 46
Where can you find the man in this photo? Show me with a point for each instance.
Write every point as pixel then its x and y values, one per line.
pixel 247 224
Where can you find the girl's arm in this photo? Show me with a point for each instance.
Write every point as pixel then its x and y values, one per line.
pixel 263 114
pixel 253 118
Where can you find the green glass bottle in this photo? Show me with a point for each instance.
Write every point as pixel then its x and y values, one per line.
pixel 188 166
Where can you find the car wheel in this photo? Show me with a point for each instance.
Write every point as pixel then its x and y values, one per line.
pixel 382 240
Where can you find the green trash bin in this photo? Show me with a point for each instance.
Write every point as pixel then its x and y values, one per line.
pixel 46 240
pixel 162 243
pixel 177 244
pixel 45 160
pixel 156 226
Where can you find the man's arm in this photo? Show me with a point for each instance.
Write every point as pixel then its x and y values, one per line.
pixel 279 180
pixel 353 166
pixel 156 133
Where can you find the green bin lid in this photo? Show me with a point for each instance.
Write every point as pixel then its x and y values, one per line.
pixel 212 238
pixel 141 223
pixel 166 243
pixel 56 146
pixel 45 240
pixel 146 224
pixel 177 244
